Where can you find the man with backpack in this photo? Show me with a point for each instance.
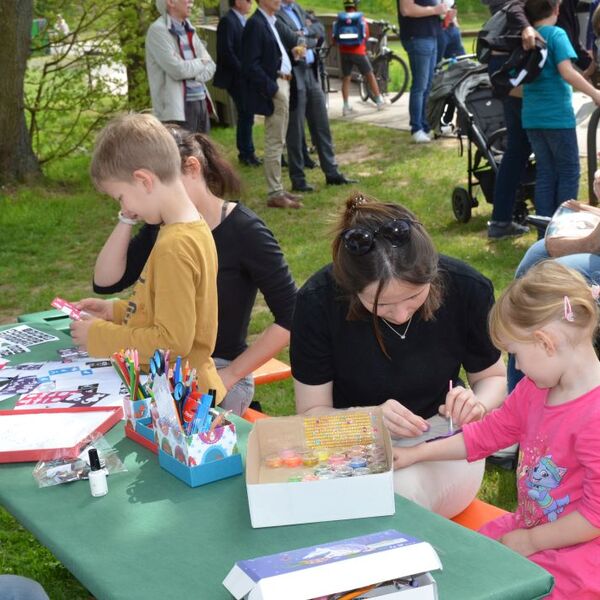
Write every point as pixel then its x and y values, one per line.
pixel 350 33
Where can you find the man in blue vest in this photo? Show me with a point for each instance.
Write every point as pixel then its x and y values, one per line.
pixel 229 75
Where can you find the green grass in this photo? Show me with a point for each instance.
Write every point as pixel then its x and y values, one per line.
pixel 52 233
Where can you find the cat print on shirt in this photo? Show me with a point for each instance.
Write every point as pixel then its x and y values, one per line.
pixel 542 478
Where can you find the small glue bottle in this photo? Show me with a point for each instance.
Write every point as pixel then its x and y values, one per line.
pixel 97 475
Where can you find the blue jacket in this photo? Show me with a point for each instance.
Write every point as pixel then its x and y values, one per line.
pixel 261 60
pixel 229 51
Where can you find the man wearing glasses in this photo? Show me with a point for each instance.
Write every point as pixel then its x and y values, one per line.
pixel 268 73
pixel 229 75
pixel 178 66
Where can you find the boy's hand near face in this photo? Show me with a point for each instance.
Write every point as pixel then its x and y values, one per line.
pixel 101 309
pixel 80 330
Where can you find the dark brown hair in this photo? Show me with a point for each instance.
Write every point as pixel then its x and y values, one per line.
pixel 415 261
pixel 536 10
pixel 218 172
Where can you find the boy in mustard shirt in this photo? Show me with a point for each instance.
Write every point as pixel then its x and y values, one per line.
pixel 174 302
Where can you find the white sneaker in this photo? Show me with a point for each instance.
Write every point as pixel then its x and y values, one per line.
pixel 380 105
pixel 346 110
pixel 420 137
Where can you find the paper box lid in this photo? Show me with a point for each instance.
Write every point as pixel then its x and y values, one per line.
pixel 331 567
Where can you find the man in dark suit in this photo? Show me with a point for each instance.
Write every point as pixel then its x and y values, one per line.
pixel 308 102
pixel 268 72
pixel 229 75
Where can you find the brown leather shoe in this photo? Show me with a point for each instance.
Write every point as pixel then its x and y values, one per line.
pixel 294 197
pixel 282 200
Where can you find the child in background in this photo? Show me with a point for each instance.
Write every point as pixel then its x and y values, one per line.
pixel 174 302
pixel 547 319
pixel 357 55
pixel 548 115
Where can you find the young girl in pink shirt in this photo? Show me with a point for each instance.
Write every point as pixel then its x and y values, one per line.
pixel 547 319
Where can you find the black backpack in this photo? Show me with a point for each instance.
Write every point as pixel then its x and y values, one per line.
pixel 494 35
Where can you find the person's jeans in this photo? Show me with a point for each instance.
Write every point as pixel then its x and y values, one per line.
pixel 422 54
pixel 449 43
pixel 245 122
pixel 586 264
pixel 238 398
pixel 516 156
pixel 557 168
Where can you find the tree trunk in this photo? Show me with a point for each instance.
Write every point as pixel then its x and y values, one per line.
pixel 17 160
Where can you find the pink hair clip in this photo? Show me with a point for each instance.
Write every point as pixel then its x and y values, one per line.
pixel 595 289
pixel 569 315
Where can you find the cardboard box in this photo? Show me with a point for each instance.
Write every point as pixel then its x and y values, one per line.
pixel 275 502
pixel 340 566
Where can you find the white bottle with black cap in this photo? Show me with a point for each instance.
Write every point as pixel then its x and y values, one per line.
pixel 97 476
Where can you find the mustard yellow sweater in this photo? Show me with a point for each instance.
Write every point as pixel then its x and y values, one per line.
pixel 173 305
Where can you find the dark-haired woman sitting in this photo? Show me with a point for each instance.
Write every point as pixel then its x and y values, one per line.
pixel 250 259
pixel 391 322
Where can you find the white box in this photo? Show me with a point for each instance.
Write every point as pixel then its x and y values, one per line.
pixel 337 567
pixel 312 501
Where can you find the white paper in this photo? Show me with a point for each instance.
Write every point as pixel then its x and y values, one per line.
pixel 45 431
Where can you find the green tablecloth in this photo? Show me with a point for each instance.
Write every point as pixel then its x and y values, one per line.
pixel 154 537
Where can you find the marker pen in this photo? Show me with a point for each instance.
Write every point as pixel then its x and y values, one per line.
pixel 97 475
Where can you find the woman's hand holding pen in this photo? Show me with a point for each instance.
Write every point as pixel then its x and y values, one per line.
pixel 462 405
pixel 400 421
pixel 520 541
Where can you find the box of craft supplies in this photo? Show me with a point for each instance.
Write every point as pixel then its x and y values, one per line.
pixel 388 565
pixel 299 468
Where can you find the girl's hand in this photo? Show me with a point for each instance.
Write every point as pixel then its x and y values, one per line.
pixel 519 540
pixel 101 309
pixel 463 406
pixel 80 330
pixel 404 457
pixel 402 422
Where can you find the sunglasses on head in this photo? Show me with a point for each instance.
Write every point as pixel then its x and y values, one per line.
pixel 360 240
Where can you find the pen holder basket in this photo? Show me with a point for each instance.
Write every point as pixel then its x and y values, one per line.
pixel 135 410
pixel 199 458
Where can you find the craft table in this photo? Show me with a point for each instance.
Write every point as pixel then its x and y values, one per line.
pixel 153 537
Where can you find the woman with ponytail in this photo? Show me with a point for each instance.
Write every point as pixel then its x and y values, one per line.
pixel 250 259
pixel 391 323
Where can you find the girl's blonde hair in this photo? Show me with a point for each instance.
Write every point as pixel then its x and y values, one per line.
pixel 538 298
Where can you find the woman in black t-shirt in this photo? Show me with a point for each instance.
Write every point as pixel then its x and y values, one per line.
pixel 250 259
pixel 390 323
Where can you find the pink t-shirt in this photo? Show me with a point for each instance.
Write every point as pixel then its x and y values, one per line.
pixel 558 472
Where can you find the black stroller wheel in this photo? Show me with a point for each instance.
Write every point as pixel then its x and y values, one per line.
pixel 461 205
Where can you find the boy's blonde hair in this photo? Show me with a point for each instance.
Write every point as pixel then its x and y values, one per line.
pixel 132 142
pixel 537 299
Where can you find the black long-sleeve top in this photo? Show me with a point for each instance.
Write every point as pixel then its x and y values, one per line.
pixel 250 259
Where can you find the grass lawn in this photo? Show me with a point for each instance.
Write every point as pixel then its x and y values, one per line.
pixel 51 234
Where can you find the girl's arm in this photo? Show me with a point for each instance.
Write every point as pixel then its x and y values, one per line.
pixel 451 448
pixel 572 529
pixel 573 77
pixel 408 8
pixel 268 344
pixel 313 399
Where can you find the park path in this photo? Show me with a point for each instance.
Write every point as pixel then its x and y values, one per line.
pixel 395 115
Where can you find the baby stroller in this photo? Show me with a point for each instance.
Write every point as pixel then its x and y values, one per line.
pixel 480 117
pixel 440 103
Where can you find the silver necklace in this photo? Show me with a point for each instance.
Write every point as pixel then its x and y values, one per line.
pixel 402 336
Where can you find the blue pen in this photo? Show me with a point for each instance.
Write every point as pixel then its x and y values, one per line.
pixel 177 371
pixel 199 420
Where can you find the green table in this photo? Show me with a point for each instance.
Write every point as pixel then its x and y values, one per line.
pixel 154 537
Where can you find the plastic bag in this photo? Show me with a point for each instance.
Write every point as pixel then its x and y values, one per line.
pixel 65 470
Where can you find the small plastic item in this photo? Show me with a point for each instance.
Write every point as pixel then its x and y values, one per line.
pixel 358 462
pixel 322 454
pixel 295 460
pixel 361 471
pixel 97 475
pixel 337 459
pixel 344 471
pixel 295 479
pixel 273 461
pixel 378 467
pixel 310 459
